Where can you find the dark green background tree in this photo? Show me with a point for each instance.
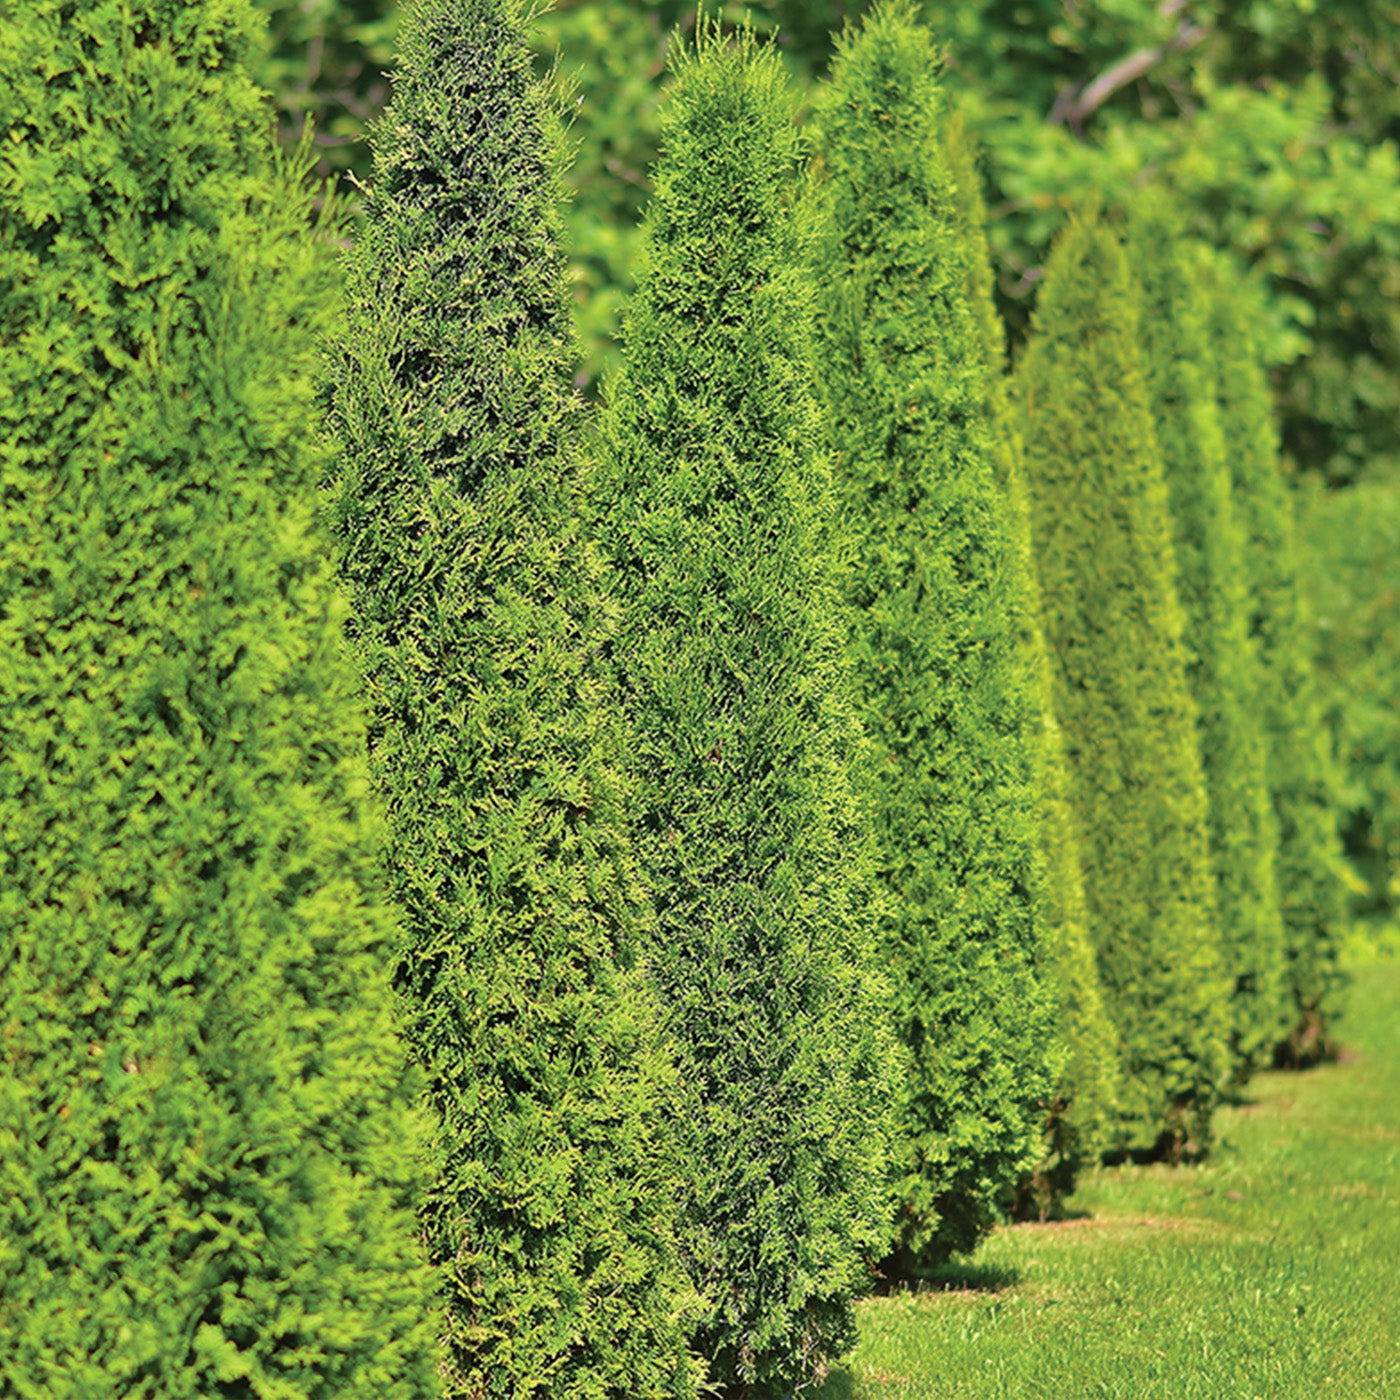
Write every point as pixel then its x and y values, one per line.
pixel 1222 656
pixel 1351 571
pixel 208 1143
pixel 1114 625
pixel 712 497
pixel 934 648
pixel 478 622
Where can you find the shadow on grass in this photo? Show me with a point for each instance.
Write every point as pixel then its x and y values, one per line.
pixel 957 1276
pixel 839 1385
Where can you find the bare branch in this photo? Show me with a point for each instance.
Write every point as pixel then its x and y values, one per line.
pixel 1074 109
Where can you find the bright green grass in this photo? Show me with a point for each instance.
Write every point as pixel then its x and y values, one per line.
pixel 1272 1271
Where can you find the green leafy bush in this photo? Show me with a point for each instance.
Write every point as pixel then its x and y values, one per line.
pixel 478 623
pixel 1114 623
pixel 1352 582
pixel 713 499
pixel 1080 1111
pixel 208 1144
pixel 934 646
pixel 1222 656
pixel 1301 774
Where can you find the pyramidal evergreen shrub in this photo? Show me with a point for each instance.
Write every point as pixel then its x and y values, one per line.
pixel 933 589
pixel 208 1142
pixel 1080 1112
pixel 1113 623
pixel 1301 779
pixel 478 622
pixel 713 497
pixel 1222 657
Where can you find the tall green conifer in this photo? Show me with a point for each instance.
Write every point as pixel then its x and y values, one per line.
pixel 1113 622
pixel 1300 776
pixel 478 622
pixel 1079 1117
pixel 208 1149
pixel 935 596
pixel 713 496
pixel 1222 657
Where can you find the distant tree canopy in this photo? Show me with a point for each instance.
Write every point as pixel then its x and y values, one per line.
pixel 1274 122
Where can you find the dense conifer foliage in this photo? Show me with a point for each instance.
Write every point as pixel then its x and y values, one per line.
pixel 1301 779
pixel 714 499
pixel 208 1150
pixel 1222 656
pixel 478 622
pixel 941 680
pixel 1114 624
pixel 1079 1113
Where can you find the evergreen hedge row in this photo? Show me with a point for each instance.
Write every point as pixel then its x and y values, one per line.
pixel 208 1145
pixel 1114 625
pixel 1301 778
pixel 1079 1114
pixel 1222 657
pixel 478 623
pixel 712 495
pixel 933 589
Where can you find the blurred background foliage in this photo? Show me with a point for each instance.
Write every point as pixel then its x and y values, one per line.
pixel 1352 568
pixel 1275 123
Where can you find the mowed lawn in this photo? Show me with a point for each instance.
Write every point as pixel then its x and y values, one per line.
pixel 1273 1270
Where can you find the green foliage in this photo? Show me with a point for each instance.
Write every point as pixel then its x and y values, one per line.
pixel 1114 625
pixel 934 643
pixel 1301 776
pixel 478 624
pixel 714 501
pixel 1222 656
pixel 1273 124
pixel 208 1146
pixel 1352 578
pixel 1267 1271
pixel 1081 1108
pixel 615 54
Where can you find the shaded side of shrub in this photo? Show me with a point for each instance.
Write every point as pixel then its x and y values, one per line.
pixel 209 1147
pixel 1113 622
pixel 713 496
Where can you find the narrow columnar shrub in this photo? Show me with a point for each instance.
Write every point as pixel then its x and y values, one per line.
pixel 935 597
pixel 478 622
pixel 208 1142
pixel 1222 656
pixel 1079 1114
pixel 1113 622
pixel 713 497
pixel 1301 776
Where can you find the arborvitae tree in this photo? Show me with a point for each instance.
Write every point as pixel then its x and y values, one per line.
pixel 208 1143
pixel 1222 658
pixel 1080 1113
pixel 714 499
pixel 1113 623
pixel 1300 773
pixel 936 599
pixel 477 621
